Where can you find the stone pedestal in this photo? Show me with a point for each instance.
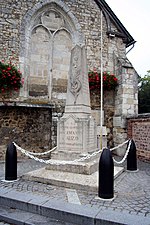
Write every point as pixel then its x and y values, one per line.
pixel 76 135
pixel 76 138
pixel 68 179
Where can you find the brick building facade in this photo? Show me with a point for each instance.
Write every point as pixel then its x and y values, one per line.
pixel 139 131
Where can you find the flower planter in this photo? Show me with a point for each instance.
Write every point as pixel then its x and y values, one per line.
pixel 10 80
pixel 110 82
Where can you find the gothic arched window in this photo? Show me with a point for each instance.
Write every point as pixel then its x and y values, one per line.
pixel 49 56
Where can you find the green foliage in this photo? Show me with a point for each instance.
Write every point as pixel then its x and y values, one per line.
pixel 144 94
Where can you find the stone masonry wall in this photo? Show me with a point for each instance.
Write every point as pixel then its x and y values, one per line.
pixel 85 19
pixel 109 109
pixel 29 127
pixel 88 16
pixel 139 131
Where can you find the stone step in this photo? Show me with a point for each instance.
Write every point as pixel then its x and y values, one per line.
pixel 86 182
pixel 30 204
pixel 78 167
pixel 15 216
pixel 25 208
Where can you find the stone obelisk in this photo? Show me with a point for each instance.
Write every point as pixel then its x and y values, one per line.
pixel 76 130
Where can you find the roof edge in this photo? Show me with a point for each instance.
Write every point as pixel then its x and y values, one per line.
pixel 129 40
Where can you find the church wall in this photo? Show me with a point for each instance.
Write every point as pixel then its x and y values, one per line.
pixel 14 17
pixel 29 127
pixel 88 16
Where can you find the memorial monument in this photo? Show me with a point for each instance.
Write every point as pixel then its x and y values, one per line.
pixel 76 135
pixel 77 129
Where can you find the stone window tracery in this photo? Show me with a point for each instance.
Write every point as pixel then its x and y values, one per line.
pixel 49 56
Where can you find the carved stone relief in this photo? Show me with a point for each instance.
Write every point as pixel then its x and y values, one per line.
pixel 75 70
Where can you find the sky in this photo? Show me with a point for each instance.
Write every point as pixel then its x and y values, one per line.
pixel 135 16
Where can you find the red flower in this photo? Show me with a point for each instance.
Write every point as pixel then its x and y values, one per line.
pixel 109 80
pixel 10 77
pixel 97 77
pixel 104 77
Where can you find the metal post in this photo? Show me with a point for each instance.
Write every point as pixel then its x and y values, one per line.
pixel 131 158
pixel 101 89
pixel 106 175
pixel 11 163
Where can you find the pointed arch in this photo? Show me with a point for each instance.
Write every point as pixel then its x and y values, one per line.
pixel 64 24
pixel 62 45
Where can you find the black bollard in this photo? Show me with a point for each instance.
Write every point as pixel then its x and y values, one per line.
pixel 131 158
pixel 106 175
pixel 11 163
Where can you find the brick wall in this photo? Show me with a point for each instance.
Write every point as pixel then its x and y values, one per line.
pixel 139 130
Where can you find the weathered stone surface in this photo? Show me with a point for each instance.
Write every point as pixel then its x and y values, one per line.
pixel 77 181
pixel 42 35
pixel 28 127
pixel 77 131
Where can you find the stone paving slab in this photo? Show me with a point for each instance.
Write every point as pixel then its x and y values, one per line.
pixel 68 179
pixel 132 191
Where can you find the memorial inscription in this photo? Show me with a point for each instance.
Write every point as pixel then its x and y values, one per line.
pixel 71 134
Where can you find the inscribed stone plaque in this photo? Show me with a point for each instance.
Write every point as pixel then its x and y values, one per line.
pixel 70 135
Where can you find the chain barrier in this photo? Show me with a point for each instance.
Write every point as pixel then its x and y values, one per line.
pixel 52 161
pixel 125 156
pixel 33 155
pixel 112 149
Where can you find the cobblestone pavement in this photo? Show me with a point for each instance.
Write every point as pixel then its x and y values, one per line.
pixel 131 189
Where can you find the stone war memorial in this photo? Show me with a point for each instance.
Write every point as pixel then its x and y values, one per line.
pixel 47 100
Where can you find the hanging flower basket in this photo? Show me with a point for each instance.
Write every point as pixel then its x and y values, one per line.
pixel 10 78
pixel 110 82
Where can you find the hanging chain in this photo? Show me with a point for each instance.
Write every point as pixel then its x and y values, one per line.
pixel 52 161
pixel 33 155
pixel 112 149
pixel 125 156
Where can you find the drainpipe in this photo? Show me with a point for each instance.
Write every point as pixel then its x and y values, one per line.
pixel 130 48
